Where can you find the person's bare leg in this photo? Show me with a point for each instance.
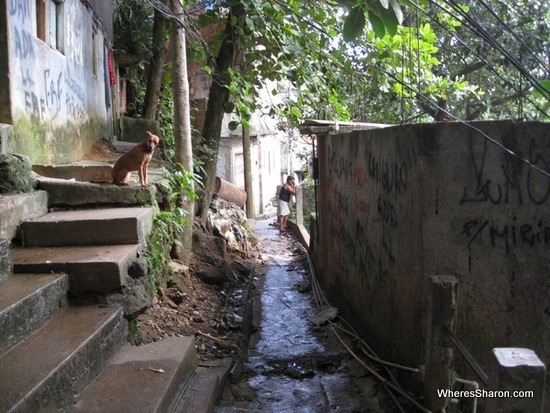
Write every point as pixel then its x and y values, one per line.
pixel 282 227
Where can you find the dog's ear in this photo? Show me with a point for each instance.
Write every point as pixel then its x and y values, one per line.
pixel 148 133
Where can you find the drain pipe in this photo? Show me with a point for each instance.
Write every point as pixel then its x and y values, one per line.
pixel 474 385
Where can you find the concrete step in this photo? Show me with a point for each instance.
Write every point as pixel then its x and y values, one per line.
pixel 90 268
pixel 15 209
pixel 107 226
pixel 46 371
pixel 67 193
pixel 203 390
pixel 141 379
pixel 27 302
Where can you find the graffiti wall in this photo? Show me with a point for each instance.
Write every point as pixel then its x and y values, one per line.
pixel 59 86
pixel 400 204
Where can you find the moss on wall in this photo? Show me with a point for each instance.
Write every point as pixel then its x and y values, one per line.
pixel 133 130
pixel 47 144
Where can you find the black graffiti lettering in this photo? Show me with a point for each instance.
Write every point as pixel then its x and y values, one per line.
pixel 338 166
pixel 386 211
pixel 500 234
pixel 538 185
pixel 509 235
pixel 526 234
pixel 472 225
pixel 392 176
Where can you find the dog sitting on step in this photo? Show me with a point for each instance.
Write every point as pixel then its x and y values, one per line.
pixel 136 159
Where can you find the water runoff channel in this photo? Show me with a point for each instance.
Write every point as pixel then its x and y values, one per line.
pixel 295 363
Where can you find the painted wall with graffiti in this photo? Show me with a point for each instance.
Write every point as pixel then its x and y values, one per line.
pixel 60 78
pixel 400 204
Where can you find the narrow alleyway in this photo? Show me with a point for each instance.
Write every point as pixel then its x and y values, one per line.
pixel 292 365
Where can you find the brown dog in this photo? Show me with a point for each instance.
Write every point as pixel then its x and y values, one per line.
pixel 136 159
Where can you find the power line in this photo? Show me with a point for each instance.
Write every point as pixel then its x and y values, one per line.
pixel 488 63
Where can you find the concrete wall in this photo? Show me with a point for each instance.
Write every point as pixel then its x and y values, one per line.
pixel 60 99
pixel 400 204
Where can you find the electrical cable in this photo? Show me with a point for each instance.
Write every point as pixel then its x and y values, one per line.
pixel 479 30
pixel 489 64
pixel 321 300
pixel 469 125
pixel 512 32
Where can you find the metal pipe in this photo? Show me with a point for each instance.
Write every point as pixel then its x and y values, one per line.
pixel 480 373
pixel 230 192
pixel 475 386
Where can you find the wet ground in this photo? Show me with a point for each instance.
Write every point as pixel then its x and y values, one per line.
pixel 292 365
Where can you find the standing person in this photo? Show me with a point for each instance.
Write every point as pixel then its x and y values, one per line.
pixel 288 189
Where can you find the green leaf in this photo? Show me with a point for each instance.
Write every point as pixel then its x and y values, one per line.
pixel 546 85
pixel 233 125
pixel 354 24
pixel 377 24
pixel 385 3
pixel 229 107
pixel 389 18
pixel 397 11
pixel 296 112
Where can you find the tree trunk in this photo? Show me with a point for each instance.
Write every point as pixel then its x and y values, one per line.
pixel 248 187
pixel 156 68
pixel 182 122
pixel 217 98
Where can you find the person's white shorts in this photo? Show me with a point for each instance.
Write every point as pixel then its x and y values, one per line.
pixel 284 208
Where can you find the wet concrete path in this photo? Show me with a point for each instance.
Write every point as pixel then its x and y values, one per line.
pixel 292 366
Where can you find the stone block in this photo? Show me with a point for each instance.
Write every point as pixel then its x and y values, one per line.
pixel 5 262
pixel 15 174
pixel 516 381
pixel 6 138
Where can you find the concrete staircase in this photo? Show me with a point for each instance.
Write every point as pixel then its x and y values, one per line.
pixel 59 356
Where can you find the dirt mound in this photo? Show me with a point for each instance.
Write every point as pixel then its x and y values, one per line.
pixel 211 300
pixel 100 150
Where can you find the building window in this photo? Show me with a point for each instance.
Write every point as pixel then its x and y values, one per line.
pixel 50 23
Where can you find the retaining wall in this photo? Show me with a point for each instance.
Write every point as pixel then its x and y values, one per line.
pixel 400 204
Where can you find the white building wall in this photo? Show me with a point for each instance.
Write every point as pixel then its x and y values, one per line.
pixel 60 93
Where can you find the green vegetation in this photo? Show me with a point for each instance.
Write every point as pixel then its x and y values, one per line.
pixel 168 225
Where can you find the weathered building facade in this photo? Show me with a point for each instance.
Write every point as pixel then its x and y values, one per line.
pixel 56 76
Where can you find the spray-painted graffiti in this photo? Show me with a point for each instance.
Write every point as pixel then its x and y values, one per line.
pixel 22 43
pixel 392 176
pixel 363 189
pixel 515 182
pixel 508 235
pixel 58 93
pixel 53 92
pixel 21 9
